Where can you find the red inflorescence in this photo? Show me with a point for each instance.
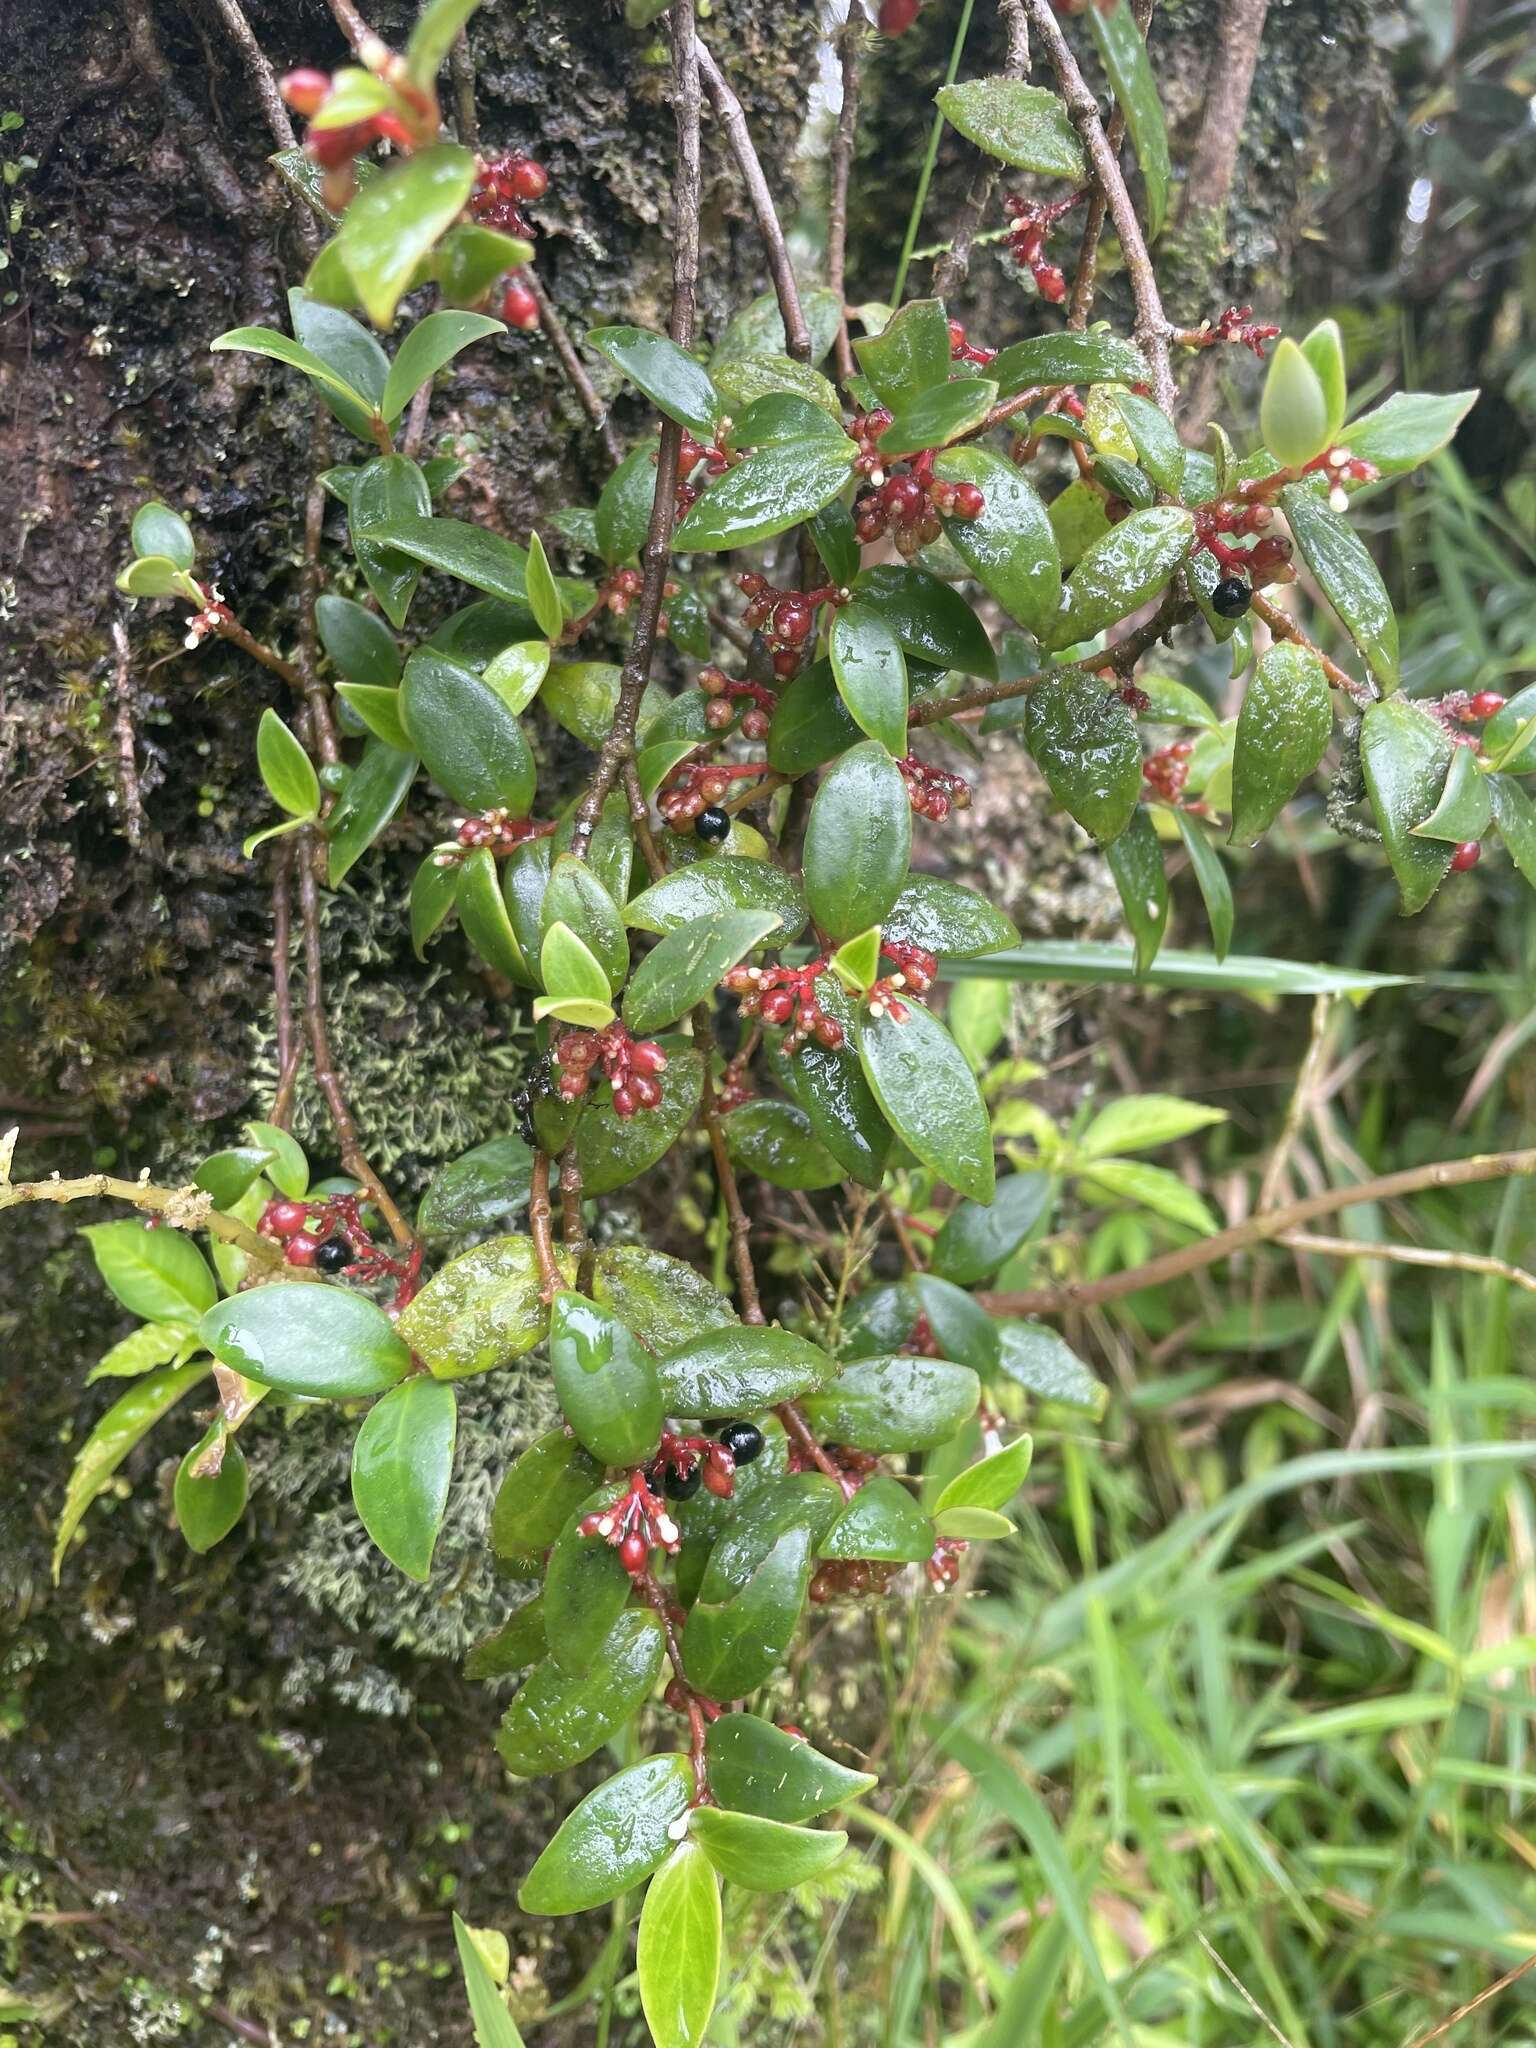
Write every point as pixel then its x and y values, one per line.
pixel 330 1234
pixel 690 454
pixel 497 830
pixel 934 792
pixel 695 786
pixel 943 1568
pixel 785 618
pixel 724 692
pixel 786 996
pixel 909 504
pixel 519 307
pixel 921 1342
pixel 1167 770
pixel 963 350
pixel 503 186
pixel 1234 324
pixel 684 1455
pixel 1032 222
pixel 897 16
pixel 919 969
pixel 630 1064
pixel 881 998
pixel 635 1522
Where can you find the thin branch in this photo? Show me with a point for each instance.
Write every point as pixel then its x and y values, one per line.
pixel 640 819
pixel 122 726
pixel 1284 627
pixel 1259 1229
pixel 317 696
pixel 837 200
pixel 693 1702
pixel 796 1426
pixel 263 78
pixel 1085 281
pixel 1151 322
pixel 541 1229
pixel 574 368
pixel 619 746
pixel 738 1223
pixel 797 336
pixel 1410 1255
pixel 231 629
pixel 461 68
pixel 1122 658
pixel 951 268
pixel 189 1208
pixel 1465 2011
pixel 290 1047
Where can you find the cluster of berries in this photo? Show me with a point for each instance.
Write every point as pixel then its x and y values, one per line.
pixel 411 121
pixel 1268 560
pixel 691 796
pixel 909 505
pixel 631 1064
pixel 1232 324
pixel 786 996
pixel 686 1463
pixel 691 453
pixel 503 186
pixel 943 1568
pixel 851 1578
pixel 963 350
pixel 331 1237
pixel 498 830
pixel 864 430
pixel 881 999
pixel 1167 770
pixel 785 618
pixel 918 969
pixel 1032 222
pixel 934 792
pixel 722 691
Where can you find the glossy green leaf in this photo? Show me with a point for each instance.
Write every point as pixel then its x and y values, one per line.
pixel 1465 809
pixel 1293 415
pixel 830 1087
pixel 972 1525
pixel 614 1838
pixel 543 591
pixel 470 743
pixel 493 2024
pixel 992 1482
pixel 1137 1123
pixel 755 1767
pixel 931 620
pixel 895 1404
pixel 688 965
pixel 1283 732
pixel 1515 815
pixel 483 917
pixel 130 1418
pixel 431 344
pixel 962 1329
pixel 396 219
pixel 576 898
pixel 675 384
pixel 606 1382
pixel 158 1273
pixel 766 494
pixel 1122 51
pixel 358 642
pixel 386 492
pixel 1022 125
pixel 928 1094
pixel 157 530
pixel 1044 1363
pixel 662 1299
pixel 1130 564
pixel 432 37
pixel 375 789
pixel 871 674
pixel 740 1369
pixel 749 378
pixel 151 1344
pixel 910 355
pixel 782 416
pixel 402 1461
pixel 210 1503
pixel 434 890
pixel 1010 546
pixel 1135 860
pixel 723 882
pixel 1347 576
pixel 883 1522
pixel 945 917
pixel 758 329
pixel 158 576
pixel 837 542
pixel 471 257
pixel 678 1948
pixel 556 1719
pixel 612 1150
pixel 938 416
pixel 811 723
pixel 476 1190
pixel 541 1491
pixel 479 1311
pixel 286 768
pixel 379 710
pixel 1406 755
pixel 1158 448
pixel 586 1589
pixel 1067 358
pixel 1210 878
pixel 624 507
pixel 1084 740
pixel 730 1646
pixel 286 1168
pixel 764 1855
pixel 484 560
pixel 267 341
pixel 323 1342
pixel 517 1644
pixel 1407 429
pixel 777 1142
pixel 857 963
pixel 975 1241
pixel 858 842
pixel 516 673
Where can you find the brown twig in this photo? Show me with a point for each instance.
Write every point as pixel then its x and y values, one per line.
pixel 263 78
pixel 1284 627
pixel 317 697
pixel 290 1048
pixel 795 1425
pixel 232 630
pixel 353 1158
pixel 1151 327
pixel 122 727
pixel 619 746
pixel 738 1223
pixel 1258 1229
pixel 837 199
pixel 212 169
pixel 694 1702
pixel 1085 281
pixel 1410 1255
pixel 952 266
pixel 1462 2012
pixel 640 819
pixel 573 1230
pixel 541 1229
pixel 1122 658
pixel 461 68
pixel 797 336
pixel 574 368
pixel 188 1208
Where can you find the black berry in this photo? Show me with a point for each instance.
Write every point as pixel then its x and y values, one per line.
pixel 334 1256
pixel 713 824
pixel 1231 598
pixel 682 1485
pixel 744 1441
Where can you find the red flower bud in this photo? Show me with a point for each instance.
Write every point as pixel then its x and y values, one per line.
pixel 306 90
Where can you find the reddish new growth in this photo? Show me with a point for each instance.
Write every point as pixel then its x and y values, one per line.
pixel 943 1568
pixel 1032 222
pixel 331 1237
pixel 919 969
pixel 921 1342
pixel 412 121
pixel 690 454
pixel 695 786
pixel 1267 560
pixel 497 830
pixel 631 1064
pixel 212 616
pixel 785 618
pixel 503 185
pixel 735 1084
pixel 635 1522
pixel 724 692
pixel 786 996
pixel 908 506
pixel 682 1456
pixel 934 792
pixel 964 350
pixel 1234 325
pixel 1167 770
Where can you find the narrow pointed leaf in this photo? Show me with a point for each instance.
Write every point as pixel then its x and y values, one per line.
pixel 1347 576
pixel 129 1419
pixel 431 344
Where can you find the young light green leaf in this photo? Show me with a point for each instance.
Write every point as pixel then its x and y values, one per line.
pixel 402 1461
pixel 397 218
pixel 689 964
pixel 131 1417
pixel 992 1483
pixel 973 1525
pixel 267 341
pixel 1154 1188
pixel 1023 125
pixel 1515 815
pixel 286 768
pixel 1211 880
pixel 1283 732
pixel 151 1344
pixel 1323 348
pixel 159 1274
pixel 543 591
pixel 379 710
pixel 1410 427
pixel 1136 1123
pixel 677 1951
pixel 1293 414
pixel 209 1502
pixel 928 1094
pixel 431 344
pixel 157 530
pixel 858 842
pixel 493 2024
